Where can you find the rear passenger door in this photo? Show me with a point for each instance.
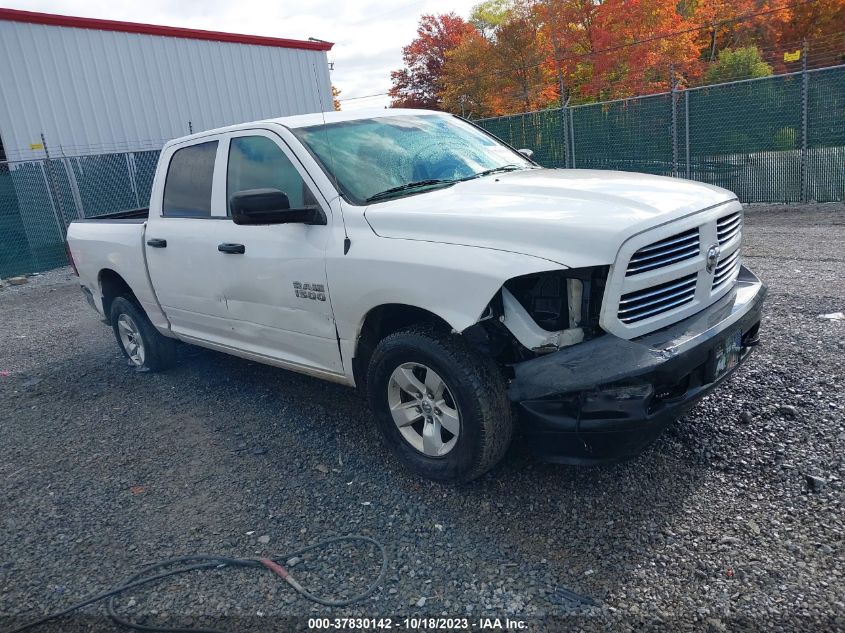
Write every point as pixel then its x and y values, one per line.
pixel 186 214
pixel 276 292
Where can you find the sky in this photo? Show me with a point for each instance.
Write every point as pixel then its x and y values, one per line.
pixel 368 34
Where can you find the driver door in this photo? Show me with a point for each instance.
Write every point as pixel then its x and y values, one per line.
pixel 275 287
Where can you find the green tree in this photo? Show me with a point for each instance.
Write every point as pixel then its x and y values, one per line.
pixel 489 15
pixel 738 63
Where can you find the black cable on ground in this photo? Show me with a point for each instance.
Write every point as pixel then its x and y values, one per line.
pixel 202 562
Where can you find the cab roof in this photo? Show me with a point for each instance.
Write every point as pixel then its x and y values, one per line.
pixel 318 118
pixel 306 120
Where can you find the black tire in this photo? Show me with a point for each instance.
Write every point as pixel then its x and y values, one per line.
pixel 477 387
pixel 159 352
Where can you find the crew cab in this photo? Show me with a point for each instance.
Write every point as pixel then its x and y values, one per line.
pixel 470 292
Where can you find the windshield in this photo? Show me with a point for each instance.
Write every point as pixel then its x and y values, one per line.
pixel 410 153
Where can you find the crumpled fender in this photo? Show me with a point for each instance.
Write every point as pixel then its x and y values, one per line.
pixel 454 282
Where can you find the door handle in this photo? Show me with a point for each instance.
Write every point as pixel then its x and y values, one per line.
pixel 157 243
pixel 237 249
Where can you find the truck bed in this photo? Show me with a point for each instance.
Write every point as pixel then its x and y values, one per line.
pixel 114 244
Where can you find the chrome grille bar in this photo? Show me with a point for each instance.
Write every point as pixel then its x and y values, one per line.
pixel 671 250
pixel 728 227
pixel 636 306
pixel 726 269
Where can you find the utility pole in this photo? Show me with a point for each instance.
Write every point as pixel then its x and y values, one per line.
pixel 713 43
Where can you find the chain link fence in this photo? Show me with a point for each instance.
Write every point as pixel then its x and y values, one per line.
pixel 39 198
pixel 774 139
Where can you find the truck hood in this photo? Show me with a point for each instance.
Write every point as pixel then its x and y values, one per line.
pixel 575 217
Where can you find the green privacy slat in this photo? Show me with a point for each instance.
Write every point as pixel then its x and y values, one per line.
pixel 38 199
pixel 541 132
pixel 745 136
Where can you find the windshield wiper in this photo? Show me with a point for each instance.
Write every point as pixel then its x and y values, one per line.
pixel 495 170
pixel 408 186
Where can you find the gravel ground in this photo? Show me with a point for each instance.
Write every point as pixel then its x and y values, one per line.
pixel 719 526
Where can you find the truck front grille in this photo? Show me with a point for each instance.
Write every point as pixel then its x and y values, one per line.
pixel 725 270
pixel 665 275
pixel 728 227
pixel 636 306
pixel 665 252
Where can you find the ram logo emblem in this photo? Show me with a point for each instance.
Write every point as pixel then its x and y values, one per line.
pixel 317 292
pixel 713 257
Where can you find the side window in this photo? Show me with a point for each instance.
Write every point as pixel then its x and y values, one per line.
pixel 187 190
pixel 256 162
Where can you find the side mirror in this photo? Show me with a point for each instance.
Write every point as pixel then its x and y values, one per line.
pixel 528 153
pixel 270 206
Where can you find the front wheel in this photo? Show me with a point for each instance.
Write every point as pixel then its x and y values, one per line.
pixel 441 407
pixel 141 343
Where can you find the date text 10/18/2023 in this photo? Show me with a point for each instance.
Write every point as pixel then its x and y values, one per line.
pixel 416 623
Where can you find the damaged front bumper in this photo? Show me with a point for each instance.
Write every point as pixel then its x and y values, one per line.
pixel 608 398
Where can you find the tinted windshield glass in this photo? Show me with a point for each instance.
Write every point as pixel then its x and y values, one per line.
pixel 369 156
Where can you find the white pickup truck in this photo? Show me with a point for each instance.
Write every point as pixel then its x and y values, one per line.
pixel 469 291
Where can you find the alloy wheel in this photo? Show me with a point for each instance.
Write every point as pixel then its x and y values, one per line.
pixel 130 338
pixel 423 408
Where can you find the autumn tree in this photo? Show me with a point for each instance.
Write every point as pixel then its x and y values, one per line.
pixel 469 78
pixel 518 70
pixel 822 25
pixel 566 35
pixel 335 100
pixel 489 15
pixel 739 63
pixel 638 45
pixel 518 55
pixel 721 26
pixel 814 20
pixel 418 84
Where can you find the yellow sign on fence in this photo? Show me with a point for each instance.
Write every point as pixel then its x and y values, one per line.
pixel 792 57
pixel 34 146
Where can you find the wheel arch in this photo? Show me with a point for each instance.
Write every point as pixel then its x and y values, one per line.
pixel 381 321
pixel 112 285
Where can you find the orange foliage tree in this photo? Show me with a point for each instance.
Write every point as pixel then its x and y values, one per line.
pixel 568 31
pixel 519 55
pixel 638 45
pixel 469 78
pixel 418 84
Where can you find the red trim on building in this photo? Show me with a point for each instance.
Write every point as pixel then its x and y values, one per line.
pixel 51 19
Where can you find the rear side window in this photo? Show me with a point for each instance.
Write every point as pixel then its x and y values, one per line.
pixel 187 190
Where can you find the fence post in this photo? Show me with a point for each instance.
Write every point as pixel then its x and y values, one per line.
pixel 674 97
pixel 130 168
pixel 571 138
pixel 805 78
pixel 60 224
pixel 74 186
pixel 686 130
pixel 54 189
pixel 564 130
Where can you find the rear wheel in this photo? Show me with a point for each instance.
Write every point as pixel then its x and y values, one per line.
pixel 441 407
pixel 146 349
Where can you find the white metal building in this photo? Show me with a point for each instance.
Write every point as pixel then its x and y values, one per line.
pixel 95 86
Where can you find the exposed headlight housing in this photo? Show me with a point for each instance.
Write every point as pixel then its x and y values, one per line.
pixel 562 299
